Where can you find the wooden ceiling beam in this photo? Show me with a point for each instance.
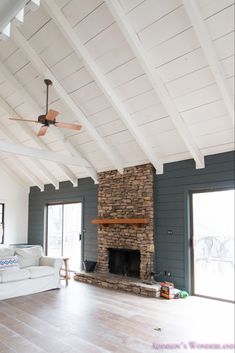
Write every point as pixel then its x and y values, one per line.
pixel 156 81
pixel 69 33
pixel 70 147
pixel 9 10
pixel 205 41
pixel 46 72
pixel 51 178
pixel 24 170
pixel 18 149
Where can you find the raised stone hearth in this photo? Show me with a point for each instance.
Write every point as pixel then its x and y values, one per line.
pixel 121 283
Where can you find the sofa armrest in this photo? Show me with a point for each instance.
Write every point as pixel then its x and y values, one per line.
pixel 55 262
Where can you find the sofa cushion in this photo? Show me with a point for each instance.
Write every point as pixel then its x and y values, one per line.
pixel 9 263
pixel 29 256
pixel 4 251
pixel 40 271
pixel 13 275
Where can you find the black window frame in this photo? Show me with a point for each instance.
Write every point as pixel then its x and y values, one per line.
pixel 2 214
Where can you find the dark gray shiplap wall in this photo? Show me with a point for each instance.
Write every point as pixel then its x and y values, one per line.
pixel 172 191
pixel 86 192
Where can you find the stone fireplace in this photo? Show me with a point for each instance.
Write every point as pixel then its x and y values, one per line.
pixel 129 195
pixel 125 232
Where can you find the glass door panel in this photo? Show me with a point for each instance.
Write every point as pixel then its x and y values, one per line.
pixel 72 235
pixel 54 230
pixel 64 232
pixel 213 239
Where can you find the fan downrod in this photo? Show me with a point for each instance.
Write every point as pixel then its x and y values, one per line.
pixel 48 82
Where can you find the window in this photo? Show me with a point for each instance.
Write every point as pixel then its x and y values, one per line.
pixel 1 223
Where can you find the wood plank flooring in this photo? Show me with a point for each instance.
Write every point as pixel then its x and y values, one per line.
pixel 87 319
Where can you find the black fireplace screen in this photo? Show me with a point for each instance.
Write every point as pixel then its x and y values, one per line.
pixel 124 262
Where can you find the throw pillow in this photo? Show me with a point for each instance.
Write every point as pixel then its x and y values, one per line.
pixel 6 251
pixel 9 263
pixel 29 256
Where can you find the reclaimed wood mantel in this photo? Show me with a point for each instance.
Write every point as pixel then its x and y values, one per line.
pixel 106 221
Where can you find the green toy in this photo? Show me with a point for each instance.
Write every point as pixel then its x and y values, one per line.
pixel 184 294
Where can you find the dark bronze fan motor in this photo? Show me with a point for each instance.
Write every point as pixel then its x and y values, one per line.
pixel 50 117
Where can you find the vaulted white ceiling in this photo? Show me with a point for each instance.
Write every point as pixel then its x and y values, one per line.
pixel 148 81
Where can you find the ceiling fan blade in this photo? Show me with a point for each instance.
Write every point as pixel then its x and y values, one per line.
pixel 31 121
pixel 42 131
pixel 51 115
pixel 68 126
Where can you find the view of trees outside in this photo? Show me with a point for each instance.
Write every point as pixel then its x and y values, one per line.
pixel 64 227
pixel 213 230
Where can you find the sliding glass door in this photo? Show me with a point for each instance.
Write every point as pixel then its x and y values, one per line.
pixel 213 244
pixel 64 232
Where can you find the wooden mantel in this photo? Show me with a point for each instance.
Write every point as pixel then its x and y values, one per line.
pixel 106 221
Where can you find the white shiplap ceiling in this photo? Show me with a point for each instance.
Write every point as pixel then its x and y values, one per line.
pixel 148 80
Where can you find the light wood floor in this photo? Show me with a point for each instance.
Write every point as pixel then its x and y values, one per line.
pixel 83 318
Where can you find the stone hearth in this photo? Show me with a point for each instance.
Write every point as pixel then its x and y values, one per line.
pixel 126 284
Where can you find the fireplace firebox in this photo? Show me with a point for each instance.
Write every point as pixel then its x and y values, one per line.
pixel 124 262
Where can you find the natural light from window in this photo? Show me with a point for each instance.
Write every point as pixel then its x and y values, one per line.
pixel 213 234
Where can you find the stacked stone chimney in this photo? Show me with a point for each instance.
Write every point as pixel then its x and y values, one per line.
pixel 129 195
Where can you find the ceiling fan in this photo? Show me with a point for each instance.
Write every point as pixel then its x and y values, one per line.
pixel 50 117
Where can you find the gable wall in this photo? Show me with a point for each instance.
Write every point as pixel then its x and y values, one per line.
pixel 15 198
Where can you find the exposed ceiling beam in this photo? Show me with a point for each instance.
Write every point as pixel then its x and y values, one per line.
pixel 51 178
pixel 45 71
pixel 156 81
pixel 24 170
pixel 19 18
pixel 6 32
pixel 12 173
pixel 205 41
pixel 34 4
pixel 8 10
pixel 31 102
pixel 69 33
pixel 18 149
pixel 70 147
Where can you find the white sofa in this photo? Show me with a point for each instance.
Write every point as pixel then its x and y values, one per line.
pixel 31 272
